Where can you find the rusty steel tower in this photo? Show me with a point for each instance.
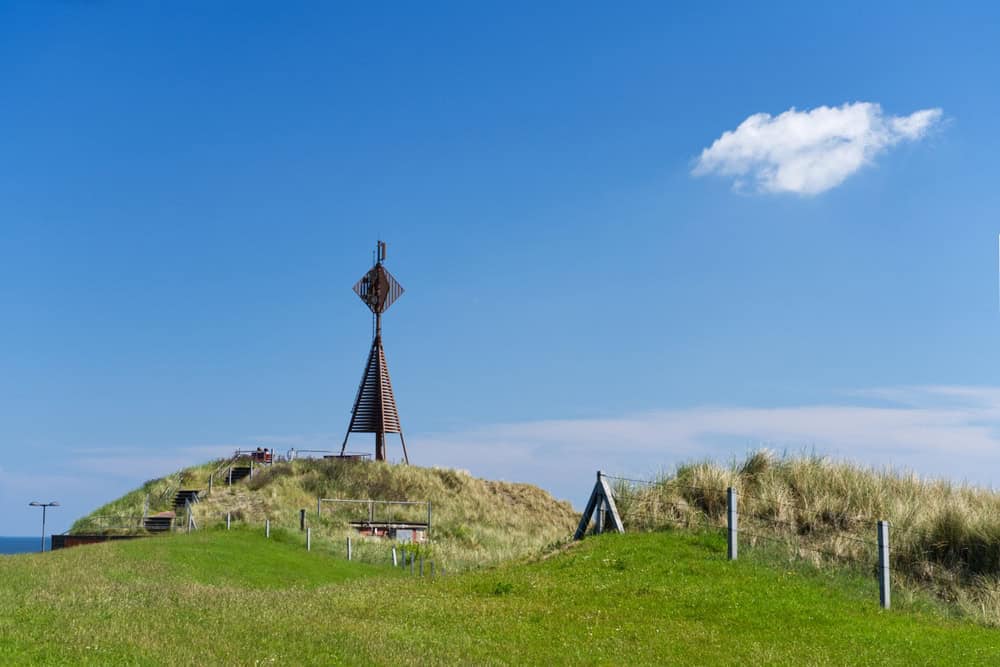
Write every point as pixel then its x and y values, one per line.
pixel 375 407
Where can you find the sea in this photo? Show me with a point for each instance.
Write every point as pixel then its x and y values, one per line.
pixel 23 545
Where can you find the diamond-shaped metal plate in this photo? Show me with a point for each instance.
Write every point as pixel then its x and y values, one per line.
pixel 378 289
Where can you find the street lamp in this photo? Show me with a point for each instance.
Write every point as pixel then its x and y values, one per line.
pixel 44 506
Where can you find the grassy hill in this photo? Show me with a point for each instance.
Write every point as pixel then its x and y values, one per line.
pixel 944 537
pixel 217 597
pixel 475 522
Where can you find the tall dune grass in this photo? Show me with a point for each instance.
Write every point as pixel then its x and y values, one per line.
pixel 474 522
pixel 944 536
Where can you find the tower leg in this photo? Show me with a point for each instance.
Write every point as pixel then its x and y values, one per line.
pixel 380 446
pixel 405 455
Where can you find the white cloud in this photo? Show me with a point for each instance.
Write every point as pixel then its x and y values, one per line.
pixel 937 431
pixel 808 152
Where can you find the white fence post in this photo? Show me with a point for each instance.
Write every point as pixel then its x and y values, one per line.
pixel 267 528
pixel 733 519
pixel 395 561
pixel 883 564
pixel 309 539
pixel 229 519
pixel 349 552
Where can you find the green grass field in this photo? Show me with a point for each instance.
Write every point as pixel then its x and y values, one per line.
pixel 214 597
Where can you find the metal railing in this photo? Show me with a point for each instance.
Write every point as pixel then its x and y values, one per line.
pixel 372 504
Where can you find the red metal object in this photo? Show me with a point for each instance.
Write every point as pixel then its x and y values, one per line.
pixel 375 405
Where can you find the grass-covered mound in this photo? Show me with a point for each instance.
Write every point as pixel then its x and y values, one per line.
pixel 944 536
pixel 216 597
pixel 474 522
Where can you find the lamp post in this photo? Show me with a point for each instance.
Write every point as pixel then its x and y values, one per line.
pixel 44 506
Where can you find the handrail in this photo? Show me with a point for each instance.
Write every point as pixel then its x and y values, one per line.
pixel 293 453
pixel 225 463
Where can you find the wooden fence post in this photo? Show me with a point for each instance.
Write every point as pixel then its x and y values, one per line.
pixel 302 519
pixel 883 564
pixel 267 528
pixel 733 519
pixel 309 539
pixel 319 502
pixel 350 553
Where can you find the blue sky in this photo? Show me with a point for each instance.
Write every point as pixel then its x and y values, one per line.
pixel 187 194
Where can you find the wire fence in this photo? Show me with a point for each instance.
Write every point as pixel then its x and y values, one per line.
pixel 413 553
pixel 800 529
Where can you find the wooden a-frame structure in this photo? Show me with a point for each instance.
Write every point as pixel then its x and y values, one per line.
pixel 601 507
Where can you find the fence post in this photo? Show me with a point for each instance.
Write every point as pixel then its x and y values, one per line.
pixel 302 519
pixel 229 518
pixel 883 564
pixel 432 569
pixel 210 478
pixel 267 528
pixel 395 561
pixel 733 517
pixel 319 502
pixel 309 538
pixel 350 553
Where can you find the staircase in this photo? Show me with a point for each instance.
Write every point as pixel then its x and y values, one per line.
pixel 158 523
pixel 183 497
pixel 235 474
